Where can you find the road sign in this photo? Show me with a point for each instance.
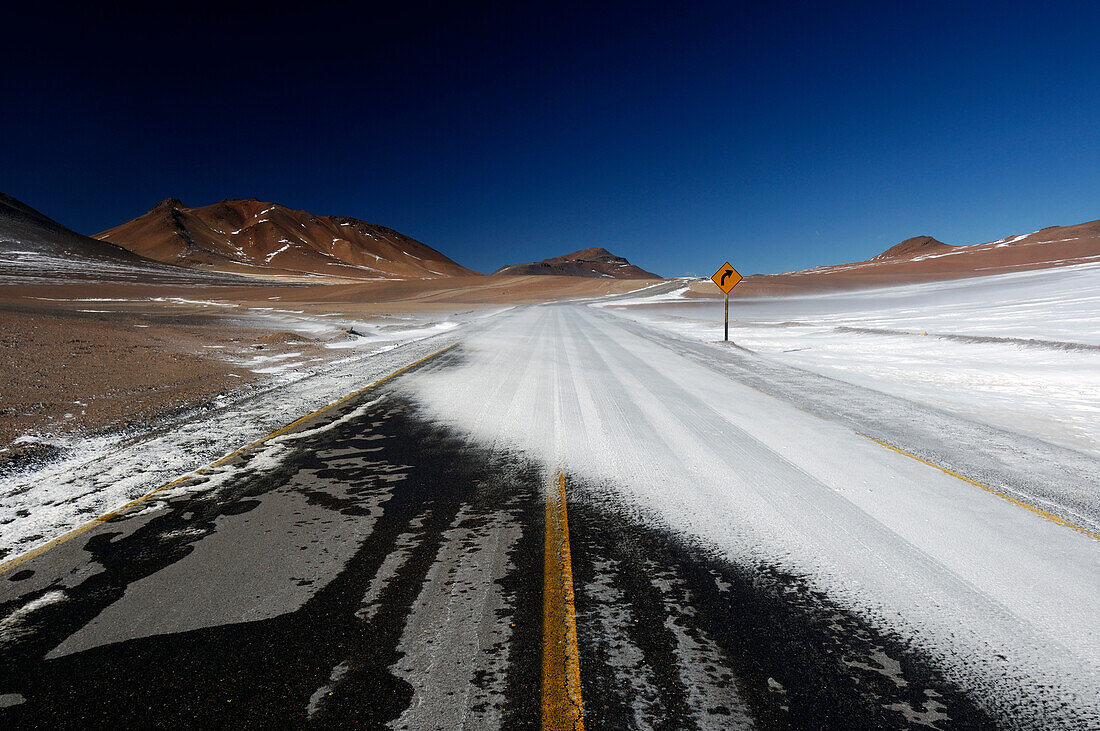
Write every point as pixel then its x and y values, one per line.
pixel 726 277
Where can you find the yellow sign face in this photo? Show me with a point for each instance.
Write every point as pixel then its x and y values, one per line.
pixel 726 277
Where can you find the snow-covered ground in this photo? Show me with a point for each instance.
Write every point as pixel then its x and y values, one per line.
pixel 378 328
pixel 1019 351
pixel 96 474
pixel 1001 598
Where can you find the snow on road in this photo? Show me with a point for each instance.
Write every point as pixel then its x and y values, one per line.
pixel 1019 351
pixel 1001 598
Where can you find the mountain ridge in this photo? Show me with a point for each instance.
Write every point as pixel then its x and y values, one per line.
pixel 593 262
pixel 36 248
pixel 250 236
pixel 925 259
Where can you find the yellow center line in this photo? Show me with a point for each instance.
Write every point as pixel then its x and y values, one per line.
pixel 1004 496
pixel 35 552
pixel 561 670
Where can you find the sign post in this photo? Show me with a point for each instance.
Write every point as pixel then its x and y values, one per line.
pixel 727 278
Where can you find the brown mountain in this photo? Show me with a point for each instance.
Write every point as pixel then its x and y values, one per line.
pixel 914 247
pixel 35 248
pixel 593 262
pixel 923 259
pixel 266 239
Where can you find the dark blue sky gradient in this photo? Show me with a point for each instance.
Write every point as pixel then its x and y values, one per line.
pixel 779 136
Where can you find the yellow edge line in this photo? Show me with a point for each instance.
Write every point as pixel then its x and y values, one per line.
pixel 1004 496
pixel 561 671
pixel 35 552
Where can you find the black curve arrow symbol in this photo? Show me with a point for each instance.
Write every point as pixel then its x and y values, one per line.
pixel 725 276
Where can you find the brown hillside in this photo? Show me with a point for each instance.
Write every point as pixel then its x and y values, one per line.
pixel 35 248
pixel 924 259
pixel 254 237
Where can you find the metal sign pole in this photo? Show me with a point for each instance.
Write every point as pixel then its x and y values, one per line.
pixel 727 316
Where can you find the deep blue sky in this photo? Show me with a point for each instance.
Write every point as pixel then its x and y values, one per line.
pixel 778 135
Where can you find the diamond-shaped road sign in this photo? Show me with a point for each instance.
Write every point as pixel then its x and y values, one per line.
pixel 726 277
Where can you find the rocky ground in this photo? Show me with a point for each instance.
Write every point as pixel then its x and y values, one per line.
pixel 85 358
pixel 66 371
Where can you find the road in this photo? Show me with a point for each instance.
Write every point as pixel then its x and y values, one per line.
pixel 567 519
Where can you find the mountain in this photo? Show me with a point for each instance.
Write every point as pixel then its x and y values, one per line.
pixel 914 247
pixel 923 259
pixel 593 262
pixel 35 248
pixel 257 238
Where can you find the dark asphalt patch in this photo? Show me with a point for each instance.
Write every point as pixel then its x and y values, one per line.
pixel 264 673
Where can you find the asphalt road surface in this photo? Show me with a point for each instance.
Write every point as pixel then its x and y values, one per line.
pixel 405 560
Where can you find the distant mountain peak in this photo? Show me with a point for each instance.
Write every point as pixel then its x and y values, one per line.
pixel 593 262
pixel 914 247
pixel 595 252
pixel 169 204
